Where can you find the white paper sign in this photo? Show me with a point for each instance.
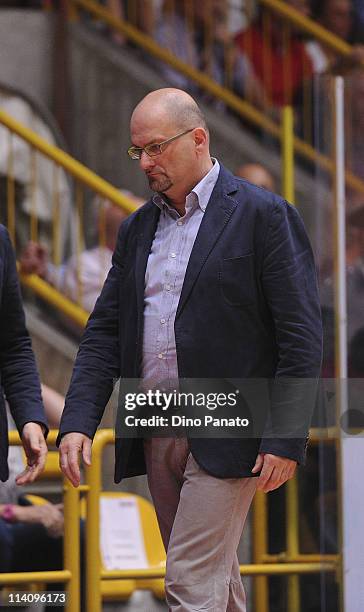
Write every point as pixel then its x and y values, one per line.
pixel 121 536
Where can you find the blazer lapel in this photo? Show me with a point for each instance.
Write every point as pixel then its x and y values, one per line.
pixel 218 212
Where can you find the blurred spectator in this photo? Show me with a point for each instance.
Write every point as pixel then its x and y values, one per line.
pixel 355 125
pixel 354 274
pixel 328 357
pixel 43 190
pixel 359 20
pixel 356 354
pixel 81 277
pixel 256 174
pixel 31 536
pixel 271 57
pixel 199 35
pixel 337 16
pixel 141 13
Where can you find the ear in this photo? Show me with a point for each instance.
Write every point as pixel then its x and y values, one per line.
pixel 201 138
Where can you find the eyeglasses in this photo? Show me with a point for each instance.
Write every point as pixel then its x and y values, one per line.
pixel 154 149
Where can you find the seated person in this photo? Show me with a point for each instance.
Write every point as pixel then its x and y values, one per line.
pixel 338 17
pixel 267 55
pixel 30 536
pixel 80 278
pixel 256 174
pixel 200 36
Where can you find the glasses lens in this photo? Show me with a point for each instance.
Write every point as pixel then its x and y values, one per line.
pixel 135 153
pixel 153 149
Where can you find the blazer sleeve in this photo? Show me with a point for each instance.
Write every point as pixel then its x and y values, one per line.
pixel 290 287
pixel 97 364
pixel 19 375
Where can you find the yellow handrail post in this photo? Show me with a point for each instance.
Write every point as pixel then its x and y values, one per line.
pixel 71 546
pixel 10 191
pixel 260 547
pixel 288 154
pixel 93 569
pixel 288 191
pixel 93 559
pixel 292 542
pixel 93 480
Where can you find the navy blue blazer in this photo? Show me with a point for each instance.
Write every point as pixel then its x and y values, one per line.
pixel 249 308
pixel 18 373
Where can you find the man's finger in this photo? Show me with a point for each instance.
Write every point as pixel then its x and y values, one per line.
pixel 71 445
pixel 274 481
pixel 258 463
pixel 86 452
pixel 25 476
pixel 74 467
pixel 277 481
pixel 68 459
pixel 35 449
pixel 63 464
pixel 264 476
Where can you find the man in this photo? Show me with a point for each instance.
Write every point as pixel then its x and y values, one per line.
pixel 213 278
pixel 18 374
pixel 256 174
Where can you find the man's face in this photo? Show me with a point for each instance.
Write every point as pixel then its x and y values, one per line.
pixel 171 171
pixel 300 5
pixel 337 17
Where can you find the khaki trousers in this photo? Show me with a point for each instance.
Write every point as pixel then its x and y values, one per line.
pixel 201 519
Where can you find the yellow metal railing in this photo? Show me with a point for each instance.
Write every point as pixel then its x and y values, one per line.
pixel 291 557
pixel 69 299
pixel 300 564
pixel 308 26
pixel 292 553
pixel 246 109
pixel 68 163
pixel 290 563
pixel 70 575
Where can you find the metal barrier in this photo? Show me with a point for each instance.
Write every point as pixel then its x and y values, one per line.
pixel 67 294
pixel 291 557
pixel 70 575
pixel 264 564
pixel 291 563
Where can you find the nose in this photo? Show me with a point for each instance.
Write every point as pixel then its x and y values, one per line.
pixel 146 161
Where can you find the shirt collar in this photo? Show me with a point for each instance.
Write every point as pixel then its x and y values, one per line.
pixel 200 193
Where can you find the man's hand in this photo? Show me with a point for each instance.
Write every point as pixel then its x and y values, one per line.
pixel 71 445
pixel 34 259
pixel 275 471
pixel 35 448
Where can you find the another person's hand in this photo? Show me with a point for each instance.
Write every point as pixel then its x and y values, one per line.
pixel 34 259
pixel 71 445
pixel 48 515
pixel 274 471
pixel 35 448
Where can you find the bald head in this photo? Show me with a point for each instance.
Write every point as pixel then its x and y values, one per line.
pixel 171 141
pixel 173 107
pixel 256 174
